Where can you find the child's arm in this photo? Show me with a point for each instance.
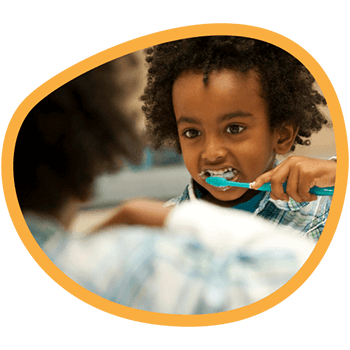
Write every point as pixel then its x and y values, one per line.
pixel 136 212
pixel 300 173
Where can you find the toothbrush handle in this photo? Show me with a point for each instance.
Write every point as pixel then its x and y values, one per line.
pixel 318 191
pixel 322 191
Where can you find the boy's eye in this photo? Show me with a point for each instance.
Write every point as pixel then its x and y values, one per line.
pixel 234 129
pixel 192 133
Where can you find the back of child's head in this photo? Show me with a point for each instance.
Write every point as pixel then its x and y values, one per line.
pixel 287 86
pixel 70 137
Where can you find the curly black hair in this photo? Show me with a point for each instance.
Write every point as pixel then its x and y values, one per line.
pixel 73 135
pixel 287 85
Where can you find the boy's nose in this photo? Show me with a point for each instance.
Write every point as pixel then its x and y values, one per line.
pixel 213 151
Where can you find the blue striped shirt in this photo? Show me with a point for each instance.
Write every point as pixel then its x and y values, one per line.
pixel 206 260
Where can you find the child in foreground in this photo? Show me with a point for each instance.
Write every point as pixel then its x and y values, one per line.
pixel 230 105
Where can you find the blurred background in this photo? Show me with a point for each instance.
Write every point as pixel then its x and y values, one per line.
pixel 162 174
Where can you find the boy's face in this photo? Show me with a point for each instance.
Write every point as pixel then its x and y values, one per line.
pixel 223 125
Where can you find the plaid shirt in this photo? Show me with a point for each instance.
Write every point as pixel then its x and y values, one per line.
pixel 219 262
pixel 306 218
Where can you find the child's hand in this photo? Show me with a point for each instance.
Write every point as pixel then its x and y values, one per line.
pixel 300 173
pixel 136 212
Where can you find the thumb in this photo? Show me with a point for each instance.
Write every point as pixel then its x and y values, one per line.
pixel 262 179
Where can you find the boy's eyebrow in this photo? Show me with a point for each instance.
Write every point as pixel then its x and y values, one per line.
pixel 222 119
pixel 235 114
pixel 187 120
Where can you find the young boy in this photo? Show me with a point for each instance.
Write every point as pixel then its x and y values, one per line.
pixel 230 105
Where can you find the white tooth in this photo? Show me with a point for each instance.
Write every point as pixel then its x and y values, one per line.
pixel 226 172
pixel 218 172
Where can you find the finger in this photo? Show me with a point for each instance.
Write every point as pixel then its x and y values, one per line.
pixel 277 191
pixel 292 188
pixel 277 181
pixel 298 187
pixel 304 189
pixel 273 197
pixel 262 179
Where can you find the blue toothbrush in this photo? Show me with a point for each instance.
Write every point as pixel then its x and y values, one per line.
pixel 222 182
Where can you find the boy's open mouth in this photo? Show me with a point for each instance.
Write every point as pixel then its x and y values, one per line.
pixel 228 173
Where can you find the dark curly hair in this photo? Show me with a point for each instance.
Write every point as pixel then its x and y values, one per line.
pixel 73 135
pixel 287 85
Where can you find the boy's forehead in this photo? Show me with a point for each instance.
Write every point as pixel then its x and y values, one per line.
pixel 227 92
pixel 220 82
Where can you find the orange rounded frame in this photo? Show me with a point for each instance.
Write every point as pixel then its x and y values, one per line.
pixel 137 44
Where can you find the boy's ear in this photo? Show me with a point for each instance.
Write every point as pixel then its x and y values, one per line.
pixel 285 138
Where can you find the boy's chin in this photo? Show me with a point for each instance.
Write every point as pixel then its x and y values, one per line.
pixel 226 195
